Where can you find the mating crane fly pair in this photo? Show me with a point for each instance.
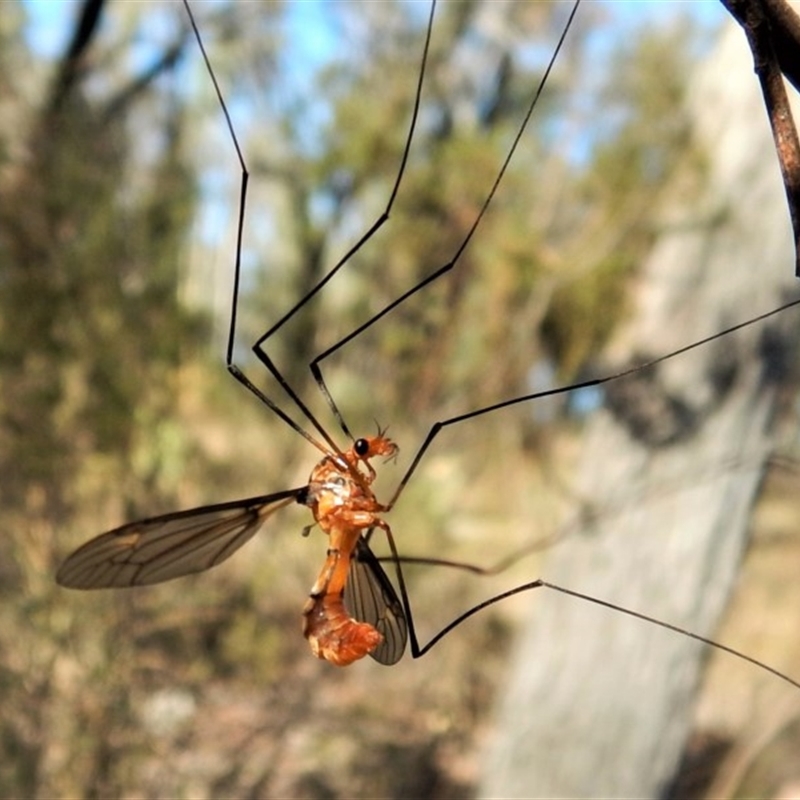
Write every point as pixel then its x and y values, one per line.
pixel 354 609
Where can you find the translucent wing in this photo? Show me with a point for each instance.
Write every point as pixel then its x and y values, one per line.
pixel 370 597
pixel 169 546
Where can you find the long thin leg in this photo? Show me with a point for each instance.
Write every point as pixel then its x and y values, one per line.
pixel 258 348
pixel 453 262
pixel 439 426
pixel 371 231
pixel 417 650
pixel 232 368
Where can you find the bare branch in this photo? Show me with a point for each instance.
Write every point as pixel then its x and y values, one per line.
pixel 761 29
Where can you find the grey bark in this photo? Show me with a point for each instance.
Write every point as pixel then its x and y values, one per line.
pixel 598 704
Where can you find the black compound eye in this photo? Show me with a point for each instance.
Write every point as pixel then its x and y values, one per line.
pixel 361 447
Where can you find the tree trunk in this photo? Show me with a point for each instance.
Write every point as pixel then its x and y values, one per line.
pixel 599 704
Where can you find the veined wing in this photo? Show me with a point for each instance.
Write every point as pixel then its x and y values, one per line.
pixel 170 546
pixel 370 597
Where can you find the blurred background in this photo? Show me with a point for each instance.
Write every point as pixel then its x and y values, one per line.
pixel 119 190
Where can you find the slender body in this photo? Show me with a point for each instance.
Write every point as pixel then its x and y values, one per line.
pixel 340 497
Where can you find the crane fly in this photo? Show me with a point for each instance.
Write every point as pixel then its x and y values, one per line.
pixel 343 504
pixel 354 609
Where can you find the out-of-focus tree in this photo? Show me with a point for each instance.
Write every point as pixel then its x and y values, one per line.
pixel 91 334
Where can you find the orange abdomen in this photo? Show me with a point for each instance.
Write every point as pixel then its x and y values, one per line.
pixel 333 635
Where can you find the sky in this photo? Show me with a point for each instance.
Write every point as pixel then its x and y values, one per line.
pixel 49 21
pixel 311 29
